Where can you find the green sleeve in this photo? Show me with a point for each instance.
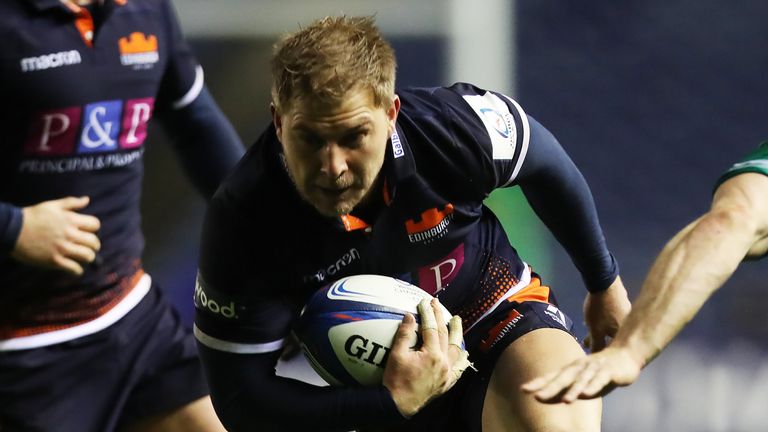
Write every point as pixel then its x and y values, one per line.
pixel 755 162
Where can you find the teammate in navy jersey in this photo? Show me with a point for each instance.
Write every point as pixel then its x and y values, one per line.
pixel 87 343
pixel 352 177
pixel 693 265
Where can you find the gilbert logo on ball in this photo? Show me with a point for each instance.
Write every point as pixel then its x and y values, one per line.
pixel 346 328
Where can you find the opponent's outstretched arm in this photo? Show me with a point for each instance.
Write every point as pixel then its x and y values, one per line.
pixel 695 263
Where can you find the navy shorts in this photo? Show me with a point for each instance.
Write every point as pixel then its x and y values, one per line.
pixel 461 408
pixel 143 365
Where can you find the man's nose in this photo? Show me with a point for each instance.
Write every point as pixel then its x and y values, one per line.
pixel 334 161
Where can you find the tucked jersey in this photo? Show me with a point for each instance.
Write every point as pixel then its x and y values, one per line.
pixel 755 162
pixel 78 98
pixel 265 250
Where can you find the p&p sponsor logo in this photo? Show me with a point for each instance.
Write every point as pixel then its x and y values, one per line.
pixel 104 126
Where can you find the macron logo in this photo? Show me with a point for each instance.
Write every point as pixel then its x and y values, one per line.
pixel 49 61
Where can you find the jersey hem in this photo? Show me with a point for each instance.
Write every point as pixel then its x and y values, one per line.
pixel 120 310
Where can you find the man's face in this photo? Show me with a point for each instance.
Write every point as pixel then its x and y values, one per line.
pixel 334 152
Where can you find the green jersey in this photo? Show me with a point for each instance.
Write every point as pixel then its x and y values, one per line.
pixel 756 162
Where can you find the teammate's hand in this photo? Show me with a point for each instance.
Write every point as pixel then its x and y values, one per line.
pixel 603 313
pixel 414 377
pixel 589 377
pixel 55 235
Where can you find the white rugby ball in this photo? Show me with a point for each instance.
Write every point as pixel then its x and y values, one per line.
pixel 346 328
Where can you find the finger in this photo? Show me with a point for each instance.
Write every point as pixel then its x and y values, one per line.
pixel 79 253
pixel 74 203
pixel 428 327
pixel 580 381
pixel 456 332
pixel 557 383
pixel 86 239
pixel 600 385
pixel 442 329
pixel 404 334
pixel 87 222
pixel 68 265
pixel 538 383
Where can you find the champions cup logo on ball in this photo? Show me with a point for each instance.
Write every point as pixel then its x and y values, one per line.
pixel 347 328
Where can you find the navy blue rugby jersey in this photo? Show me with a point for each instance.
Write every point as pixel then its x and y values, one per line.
pixel 77 98
pixel 265 250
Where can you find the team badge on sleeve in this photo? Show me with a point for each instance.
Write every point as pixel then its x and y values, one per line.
pixel 499 121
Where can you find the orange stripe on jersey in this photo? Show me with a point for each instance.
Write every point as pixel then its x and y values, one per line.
pixel 493 334
pixel 534 291
pixel 352 223
pixel 88 310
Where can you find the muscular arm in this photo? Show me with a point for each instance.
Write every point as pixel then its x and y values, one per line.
pixel 695 263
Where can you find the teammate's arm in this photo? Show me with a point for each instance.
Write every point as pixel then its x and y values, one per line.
pixel 205 141
pixel 693 264
pixel 561 198
pixel 51 234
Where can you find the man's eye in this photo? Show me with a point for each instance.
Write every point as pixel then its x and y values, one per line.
pixel 354 139
pixel 311 140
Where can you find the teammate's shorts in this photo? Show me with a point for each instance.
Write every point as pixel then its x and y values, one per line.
pixel 461 408
pixel 143 365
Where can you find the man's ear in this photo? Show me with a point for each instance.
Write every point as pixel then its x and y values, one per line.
pixel 392 112
pixel 277 120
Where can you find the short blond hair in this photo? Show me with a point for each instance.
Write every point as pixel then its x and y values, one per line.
pixel 330 58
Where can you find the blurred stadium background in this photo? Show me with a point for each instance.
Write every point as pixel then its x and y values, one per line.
pixel 653 100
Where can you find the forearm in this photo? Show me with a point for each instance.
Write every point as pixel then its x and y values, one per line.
pixel 560 196
pixel 206 142
pixel 693 265
pixel 248 396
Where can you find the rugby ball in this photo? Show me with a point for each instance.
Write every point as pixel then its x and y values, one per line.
pixel 346 328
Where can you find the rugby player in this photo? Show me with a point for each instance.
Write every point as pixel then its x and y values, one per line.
pixel 355 177
pixel 87 342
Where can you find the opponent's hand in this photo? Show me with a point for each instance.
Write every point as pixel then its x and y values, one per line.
pixel 414 377
pixel 55 235
pixel 587 378
pixel 603 313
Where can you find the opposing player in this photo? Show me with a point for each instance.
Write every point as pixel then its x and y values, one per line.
pixel 352 177
pixel 692 266
pixel 87 343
